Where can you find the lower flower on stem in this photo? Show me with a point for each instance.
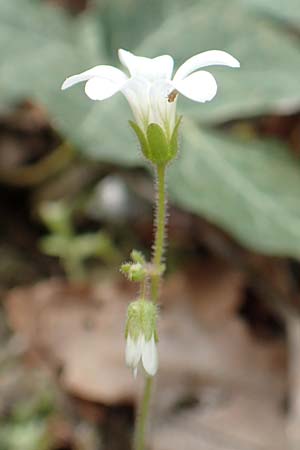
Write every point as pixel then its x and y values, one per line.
pixel 141 336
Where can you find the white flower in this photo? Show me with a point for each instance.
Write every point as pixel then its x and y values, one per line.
pixel 141 336
pixel 150 89
pixel 141 349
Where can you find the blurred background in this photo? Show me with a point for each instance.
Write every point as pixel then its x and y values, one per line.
pixel 76 197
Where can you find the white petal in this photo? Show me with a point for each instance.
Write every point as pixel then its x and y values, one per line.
pixel 149 68
pixel 199 86
pixel 205 59
pixel 136 91
pixel 164 66
pixel 162 111
pixel 149 356
pixel 127 59
pixel 133 63
pixel 101 88
pixel 104 72
pixel 133 351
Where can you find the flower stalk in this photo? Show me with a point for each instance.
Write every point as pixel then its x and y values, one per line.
pixel 159 244
pixel 142 416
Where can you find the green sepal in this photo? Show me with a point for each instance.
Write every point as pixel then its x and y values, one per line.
pixel 137 272
pixel 125 268
pixel 155 144
pixel 158 143
pixel 174 139
pixel 142 139
pixel 141 320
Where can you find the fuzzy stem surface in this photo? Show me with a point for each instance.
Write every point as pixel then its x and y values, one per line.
pixel 160 222
pixel 159 240
pixel 143 414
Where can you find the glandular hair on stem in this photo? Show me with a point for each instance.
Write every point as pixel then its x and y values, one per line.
pixel 156 213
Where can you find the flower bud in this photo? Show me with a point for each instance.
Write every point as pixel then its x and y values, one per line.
pixel 134 271
pixel 137 257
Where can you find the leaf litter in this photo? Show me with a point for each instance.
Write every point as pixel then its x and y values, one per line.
pixel 219 386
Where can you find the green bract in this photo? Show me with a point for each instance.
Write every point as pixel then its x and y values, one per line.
pixel 156 146
pixel 134 271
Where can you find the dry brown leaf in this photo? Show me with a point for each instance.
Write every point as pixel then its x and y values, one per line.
pixel 213 289
pixel 81 333
pixel 207 357
pixel 240 422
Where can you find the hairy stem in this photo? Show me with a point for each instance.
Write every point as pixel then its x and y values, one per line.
pixel 160 211
pixel 160 232
pixel 142 417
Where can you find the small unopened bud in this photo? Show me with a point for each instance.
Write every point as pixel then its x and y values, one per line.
pixel 134 272
pixel 141 336
pixel 137 257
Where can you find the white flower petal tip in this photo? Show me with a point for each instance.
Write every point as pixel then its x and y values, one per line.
pixel 206 59
pixel 235 63
pixel 199 86
pixel 100 89
pixel 65 84
pixel 149 357
pixel 133 351
pixel 106 74
pixel 132 62
pixel 166 65
pixel 125 56
pixel 141 349
pixel 71 81
pixel 220 58
pixel 160 67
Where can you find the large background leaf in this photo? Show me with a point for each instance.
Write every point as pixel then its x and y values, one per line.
pixel 234 185
pixel 45 46
pixel 128 22
pixel 270 59
pixel 288 11
pixel 38 45
pixel 250 189
pixel 38 50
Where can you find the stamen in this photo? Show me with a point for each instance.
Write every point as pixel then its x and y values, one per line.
pixel 172 96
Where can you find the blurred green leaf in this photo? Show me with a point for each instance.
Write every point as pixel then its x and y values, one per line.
pixel 38 45
pixel 268 80
pixel 233 184
pixel 57 217
pixel 94 244
pixel 56 245
pixel 289 11
pixel 27 436
pixel 250 189
pixel 128 22
pixel 39 49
